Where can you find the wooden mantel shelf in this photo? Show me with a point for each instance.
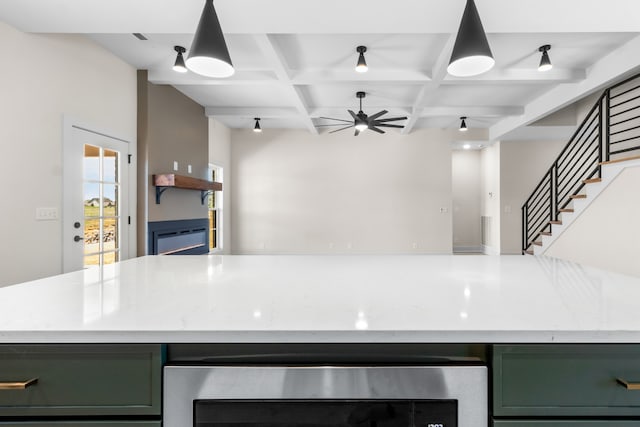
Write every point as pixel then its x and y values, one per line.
pixel 171 180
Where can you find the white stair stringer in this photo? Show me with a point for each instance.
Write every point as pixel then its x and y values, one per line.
pixel 592 191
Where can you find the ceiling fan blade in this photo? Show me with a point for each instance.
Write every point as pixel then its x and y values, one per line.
pixel 382 125
pixel 357 133
pixel 378 114
pixel 339 120
pixel 391 119
pixel 355 117
pixel 375 129
pixel 338 130
pixel 333 124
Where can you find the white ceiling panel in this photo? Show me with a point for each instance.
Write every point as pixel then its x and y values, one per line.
pixel 487 95
pixel 338 52
pixel 381 96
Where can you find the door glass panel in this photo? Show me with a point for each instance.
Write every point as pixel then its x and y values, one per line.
pixel 101 206
pixel 91 199
pixel 91 236
pixel 110 163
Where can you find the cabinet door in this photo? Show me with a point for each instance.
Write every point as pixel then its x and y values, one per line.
pixel 81 380
pixel 82 424
pixel 565 380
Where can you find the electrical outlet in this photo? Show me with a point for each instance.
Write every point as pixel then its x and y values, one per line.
pixel 415 245
pixel 189 168
pixel 46 214
pixel 175 166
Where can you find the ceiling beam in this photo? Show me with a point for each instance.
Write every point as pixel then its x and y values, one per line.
pixel 475 112
pixel 275 56
pixel 341 112
pixel 438 74
pixel 309 77
pixel 250 112
pixel 520 76
pixel 621 62
pixel 166 75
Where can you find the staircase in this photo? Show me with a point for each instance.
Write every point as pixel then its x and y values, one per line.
pixel 607 141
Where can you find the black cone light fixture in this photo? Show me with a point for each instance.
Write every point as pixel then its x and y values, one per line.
pixel 257 127
pixel 209 55
pixel 179 65
pixel 463 124
pixel 471 52
pixel 545 62
pixel 361 67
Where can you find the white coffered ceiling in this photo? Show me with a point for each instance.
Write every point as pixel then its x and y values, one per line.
pixel 295 59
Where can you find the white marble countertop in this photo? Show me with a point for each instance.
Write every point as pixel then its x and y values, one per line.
pixel 432 298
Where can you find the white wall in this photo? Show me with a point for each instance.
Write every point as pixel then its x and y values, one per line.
pixel 607 234
pixel 220 155
pixel 522 166
pixel 50 76
pixel 466 193
pixel 298 193
pixel 490 197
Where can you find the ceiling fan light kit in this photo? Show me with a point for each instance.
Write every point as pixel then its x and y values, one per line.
pixel 471 52
pixel 209 55
pixel 362 122
pixel 179 65
pixel 545 62
pixel 361 67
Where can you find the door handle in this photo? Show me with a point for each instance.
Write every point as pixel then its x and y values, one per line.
pixel 77 238
pixel 17 385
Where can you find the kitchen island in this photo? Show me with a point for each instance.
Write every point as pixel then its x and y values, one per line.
pixel 321 299
pixel 552 343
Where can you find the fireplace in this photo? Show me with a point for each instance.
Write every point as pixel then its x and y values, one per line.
pixel 179 237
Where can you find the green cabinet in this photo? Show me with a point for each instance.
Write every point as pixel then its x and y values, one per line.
pixel 81 380
pixel 565 381
pixel 82 424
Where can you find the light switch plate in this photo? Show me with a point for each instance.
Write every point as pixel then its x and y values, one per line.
pixel 46 214
pixel 175 165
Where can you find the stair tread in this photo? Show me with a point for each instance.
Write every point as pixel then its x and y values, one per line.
pixel 592 180
pixel 578 196
pixel 555 222
pixel 625 159
pixel 567 210
pixel 545 233
pixel 529 251
pixel 537 243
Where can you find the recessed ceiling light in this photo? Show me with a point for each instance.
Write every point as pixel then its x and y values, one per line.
pixel 467 146
pixel 140 36
pixel 257 127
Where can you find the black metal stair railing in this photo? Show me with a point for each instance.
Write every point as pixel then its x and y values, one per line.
pixel 610 129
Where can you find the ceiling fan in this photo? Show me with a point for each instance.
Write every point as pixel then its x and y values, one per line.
pixel 362 122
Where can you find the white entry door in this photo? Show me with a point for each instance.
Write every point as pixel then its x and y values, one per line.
pixel 95 208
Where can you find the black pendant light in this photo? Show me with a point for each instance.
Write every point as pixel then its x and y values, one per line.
pixel 257 127
pixel 471 53
pixel 179 64
pixel 463 124
pixel 545 62
pixel 361 67
pixel 209 55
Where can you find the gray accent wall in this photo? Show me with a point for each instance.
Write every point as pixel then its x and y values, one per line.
pixel 171 127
